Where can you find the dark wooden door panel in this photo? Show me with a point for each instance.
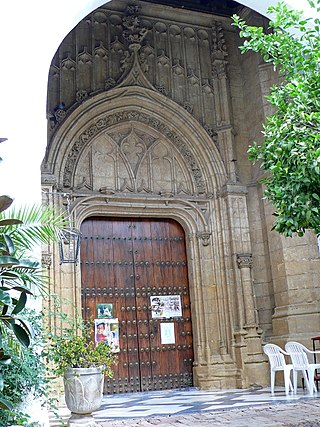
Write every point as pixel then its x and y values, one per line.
pixel 124 262
pixel 128 362
pixel 143 280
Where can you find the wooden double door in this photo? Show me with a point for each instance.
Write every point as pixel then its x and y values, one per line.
pixel 138 269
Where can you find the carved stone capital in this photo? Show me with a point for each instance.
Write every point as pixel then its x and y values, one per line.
pixel 48 179
pixel 244 260
pixel 205 237
pixel 233 190
pixel 46 259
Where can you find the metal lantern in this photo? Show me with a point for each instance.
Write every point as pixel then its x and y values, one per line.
pixel 69 245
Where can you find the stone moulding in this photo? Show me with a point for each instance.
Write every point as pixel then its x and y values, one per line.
pixel 184 211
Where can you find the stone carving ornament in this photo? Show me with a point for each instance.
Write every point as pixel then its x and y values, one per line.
pixel 104 123
pixel 134 32
pixel 179 61
pixel 244 260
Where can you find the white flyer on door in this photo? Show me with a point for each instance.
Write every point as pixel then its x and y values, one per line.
pixel 167 333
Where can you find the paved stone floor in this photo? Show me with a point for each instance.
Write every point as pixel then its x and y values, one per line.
pixel 199 408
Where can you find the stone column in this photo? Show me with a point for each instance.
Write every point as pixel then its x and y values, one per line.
pixel 245 264
pixel 248 345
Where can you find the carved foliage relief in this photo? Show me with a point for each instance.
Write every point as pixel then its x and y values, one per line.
pixel 179 60
pixel 130 158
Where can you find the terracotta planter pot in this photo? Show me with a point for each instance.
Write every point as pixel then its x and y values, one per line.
pixel 83 389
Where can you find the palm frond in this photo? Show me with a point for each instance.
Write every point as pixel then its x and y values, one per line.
pixel 39 225
pixel 26 280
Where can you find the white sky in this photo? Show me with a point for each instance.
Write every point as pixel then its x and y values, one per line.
pixel 30 33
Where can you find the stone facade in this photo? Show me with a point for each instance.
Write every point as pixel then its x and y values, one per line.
pixel 150 113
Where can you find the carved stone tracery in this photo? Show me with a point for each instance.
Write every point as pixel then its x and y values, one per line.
pixel 128 43
pixel 104 123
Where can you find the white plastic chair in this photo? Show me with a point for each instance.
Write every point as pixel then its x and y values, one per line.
pixel 278 363
pixel 299 357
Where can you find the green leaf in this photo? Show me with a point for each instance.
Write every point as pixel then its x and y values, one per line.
pixel 21 334
pixel 5 203
pixel 8 261
pixel 3 313
pixel 5 298
pixel 5 360
pixel 28 326
pixel 21 288
pixel 9 275
pixel 27 263
pixel 9 243
pixel 5 404
pixel 5 222
pixel 20 304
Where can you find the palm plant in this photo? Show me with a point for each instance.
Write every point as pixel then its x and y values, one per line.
pixel 20 231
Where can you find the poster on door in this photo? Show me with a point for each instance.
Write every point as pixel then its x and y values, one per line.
pixel 107 330
pixel 165 306
pixel 167 333
pixel 105 311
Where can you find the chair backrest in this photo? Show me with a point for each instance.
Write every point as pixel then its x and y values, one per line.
pixel 275 355
pixel 298 354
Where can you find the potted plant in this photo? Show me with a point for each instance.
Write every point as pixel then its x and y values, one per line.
pixel 83 364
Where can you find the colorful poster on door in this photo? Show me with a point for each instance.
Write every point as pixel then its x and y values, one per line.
pixel 165 306
pixel 167 333
pixel 107 330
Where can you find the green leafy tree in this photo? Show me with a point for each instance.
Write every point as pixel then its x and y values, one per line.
pixel 290 152
pixel 25 374
pixel 20 231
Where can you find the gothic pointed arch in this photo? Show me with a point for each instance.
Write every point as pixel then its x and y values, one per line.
pixel 137 140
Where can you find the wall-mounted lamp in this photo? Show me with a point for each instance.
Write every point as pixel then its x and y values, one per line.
pixel 69 239
pixel 69 245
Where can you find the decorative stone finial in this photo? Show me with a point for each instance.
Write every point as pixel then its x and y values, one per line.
pixel 134 32
pixel 219 48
